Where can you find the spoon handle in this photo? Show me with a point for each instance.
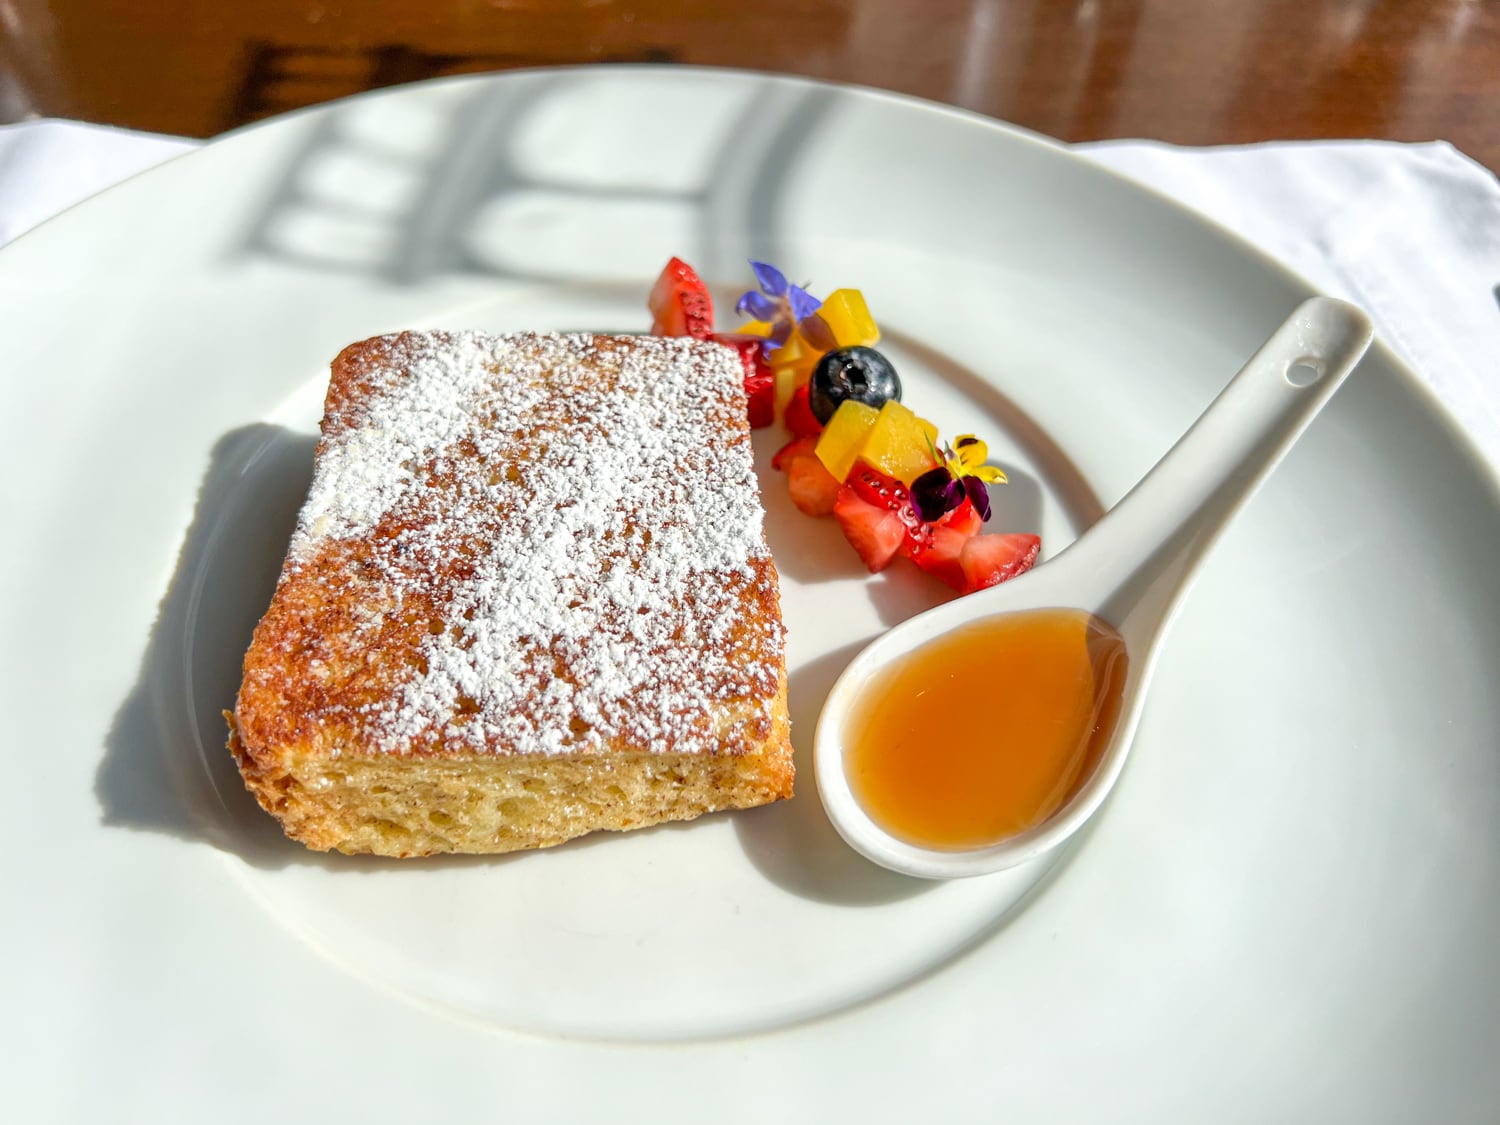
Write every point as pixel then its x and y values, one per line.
pixel 1140 556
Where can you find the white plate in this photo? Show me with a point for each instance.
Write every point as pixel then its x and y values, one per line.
pixel 1290 909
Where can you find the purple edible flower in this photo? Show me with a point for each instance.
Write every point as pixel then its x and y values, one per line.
pixel 777 303
pixel 979 496
pixel 960 472
pixel 937 492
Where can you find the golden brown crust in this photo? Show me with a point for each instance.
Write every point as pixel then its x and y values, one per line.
pixel 355 619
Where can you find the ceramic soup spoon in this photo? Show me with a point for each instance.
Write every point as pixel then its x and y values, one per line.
pixel 1130 570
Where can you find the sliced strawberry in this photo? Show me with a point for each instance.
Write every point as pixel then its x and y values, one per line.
pixel 987 560
pixel 940 559
pixel 797 447
pixel 874 487
pixel 875 533
pixel 949 534
pixel 799 416
pixel 964 518
pixel 760 380
pixel 680 304
pixel 814 489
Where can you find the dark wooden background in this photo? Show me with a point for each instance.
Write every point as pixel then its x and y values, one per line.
pixel 1189 71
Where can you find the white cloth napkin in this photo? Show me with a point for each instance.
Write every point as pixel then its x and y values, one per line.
pixel 1411 233
pixel 47 166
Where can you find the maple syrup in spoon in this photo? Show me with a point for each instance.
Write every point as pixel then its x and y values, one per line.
pixel 987 731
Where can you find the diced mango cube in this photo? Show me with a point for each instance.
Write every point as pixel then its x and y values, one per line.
pixel 790 353
pixel 899 443
pixel 804 367
pixel 796 356
pixel 844 436
pixel 848 319
pixel 787 381
pixel 793 365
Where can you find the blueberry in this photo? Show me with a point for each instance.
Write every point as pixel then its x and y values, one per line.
pixel 859 374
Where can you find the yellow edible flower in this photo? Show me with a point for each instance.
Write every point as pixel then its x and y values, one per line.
pixel 968 460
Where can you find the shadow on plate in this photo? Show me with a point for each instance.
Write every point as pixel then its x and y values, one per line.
pixel 472 181
pixel 1017 505
pixel 793 843
pixel 165 767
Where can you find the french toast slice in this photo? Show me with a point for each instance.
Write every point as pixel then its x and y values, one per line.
pixel 528 597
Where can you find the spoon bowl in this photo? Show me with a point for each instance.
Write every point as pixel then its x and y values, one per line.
pixel 1130 570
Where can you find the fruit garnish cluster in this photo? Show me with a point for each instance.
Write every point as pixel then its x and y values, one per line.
pixel 857 453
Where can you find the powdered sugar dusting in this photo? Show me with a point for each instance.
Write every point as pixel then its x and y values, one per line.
pixel 576 521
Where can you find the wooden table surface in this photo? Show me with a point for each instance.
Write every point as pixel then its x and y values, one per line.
pixel 1189 71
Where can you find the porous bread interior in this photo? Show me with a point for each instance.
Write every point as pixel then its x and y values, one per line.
pixel 479 805
pixel 404 806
